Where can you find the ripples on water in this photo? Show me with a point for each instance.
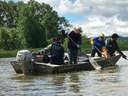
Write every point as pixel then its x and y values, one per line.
pixel 112 81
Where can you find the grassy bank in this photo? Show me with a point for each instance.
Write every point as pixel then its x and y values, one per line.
pixel 12 53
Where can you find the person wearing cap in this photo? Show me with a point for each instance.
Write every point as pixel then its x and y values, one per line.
pixel 112 45
pixel 74 43
pixel 98 46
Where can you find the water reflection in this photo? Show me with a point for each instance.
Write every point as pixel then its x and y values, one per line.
pixel 58 79
pixel 66 83
pixel 74 79
pixel 110 74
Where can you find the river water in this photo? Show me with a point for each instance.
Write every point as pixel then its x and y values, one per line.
pixel 112 81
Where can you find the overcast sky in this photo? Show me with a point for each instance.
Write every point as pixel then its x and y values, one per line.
pixel 94 16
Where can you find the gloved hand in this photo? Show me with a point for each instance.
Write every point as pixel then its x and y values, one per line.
pixel 40 52
pixel 62 32
pixel 34 53
pixel 78 46
pixel 124 56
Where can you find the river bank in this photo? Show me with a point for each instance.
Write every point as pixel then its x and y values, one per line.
pixel 12 53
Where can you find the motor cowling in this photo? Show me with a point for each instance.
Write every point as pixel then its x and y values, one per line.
pixel 24 57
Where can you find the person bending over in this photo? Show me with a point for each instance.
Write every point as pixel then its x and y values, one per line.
pixel 112 45
pixel 98 46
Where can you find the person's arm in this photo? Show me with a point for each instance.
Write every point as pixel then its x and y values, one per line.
pixel 108 43
pixel 79 42
pixel 119 50
pixel 63 52
pixel 92 41
pixel 46 50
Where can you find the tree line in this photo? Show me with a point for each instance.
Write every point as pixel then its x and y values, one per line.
pixel 28 25
pixel 32 25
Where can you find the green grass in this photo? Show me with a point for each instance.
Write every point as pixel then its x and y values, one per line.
pixel 12 53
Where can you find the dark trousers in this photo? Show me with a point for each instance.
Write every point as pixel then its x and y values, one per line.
pixel 58 61
pixel 111 51
pixel 73 54
pixel 94 51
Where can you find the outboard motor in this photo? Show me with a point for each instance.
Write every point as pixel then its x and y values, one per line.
pixel 24 57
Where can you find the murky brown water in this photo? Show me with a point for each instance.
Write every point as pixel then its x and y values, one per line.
pixel 112 81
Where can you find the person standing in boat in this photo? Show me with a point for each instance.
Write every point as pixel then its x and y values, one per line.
pixel 112 45
pixel 57 51
pixel 74 43
pixel 98 46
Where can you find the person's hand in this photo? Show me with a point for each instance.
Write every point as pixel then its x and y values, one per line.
pixel 34 53
pixel 124 56
pixel 62 32
pixel 105 55
pixel 78 46
pixel 41 53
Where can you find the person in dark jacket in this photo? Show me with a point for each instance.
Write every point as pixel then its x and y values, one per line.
pixel 57 51
pixel 112 45
pixel 74 43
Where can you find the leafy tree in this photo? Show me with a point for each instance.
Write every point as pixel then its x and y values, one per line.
pixel 8 14
pixel 49 22
pixel 29 24
pixel 4 37
pixel 9 39
pixel 14 42
pixel 29 27
pixel 38 23
pixel 2 4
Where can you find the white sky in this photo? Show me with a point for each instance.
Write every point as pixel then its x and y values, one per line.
pixel 94 16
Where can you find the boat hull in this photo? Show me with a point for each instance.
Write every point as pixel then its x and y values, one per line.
pixel 38 67
pixel 49 68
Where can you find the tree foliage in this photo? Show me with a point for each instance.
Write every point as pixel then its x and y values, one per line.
pixel 35 23
pixel 9 39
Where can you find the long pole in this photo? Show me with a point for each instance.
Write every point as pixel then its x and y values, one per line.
pixel 76 45
pixel 92 61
